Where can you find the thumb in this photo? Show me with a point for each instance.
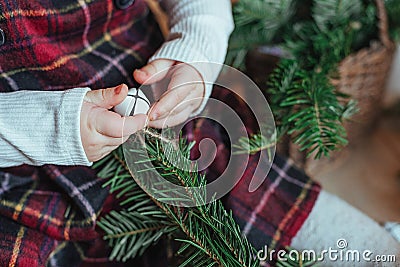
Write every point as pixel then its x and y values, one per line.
pixel 107 98
pixel 147 74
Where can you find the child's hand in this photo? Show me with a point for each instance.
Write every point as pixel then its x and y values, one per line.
pixel 101 129
pixel 175 102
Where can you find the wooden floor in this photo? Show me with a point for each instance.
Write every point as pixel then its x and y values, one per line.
pixel 368 177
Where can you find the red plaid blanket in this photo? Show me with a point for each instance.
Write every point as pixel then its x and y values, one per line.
pixel 48 213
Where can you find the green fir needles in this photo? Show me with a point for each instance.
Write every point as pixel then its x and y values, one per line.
pixel 317 37
pixel 208 234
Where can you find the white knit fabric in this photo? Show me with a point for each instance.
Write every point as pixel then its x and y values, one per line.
pixel 41 127
pixel 394 229
pixel 44 127
pixel 332 219
pixel 199 32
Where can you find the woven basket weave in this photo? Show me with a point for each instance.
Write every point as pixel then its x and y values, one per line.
pixel 362 76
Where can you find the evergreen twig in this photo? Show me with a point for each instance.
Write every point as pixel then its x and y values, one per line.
pixel 257 22
pixel 210 235
pixel 305 103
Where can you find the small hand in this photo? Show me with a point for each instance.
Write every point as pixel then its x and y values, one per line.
pixel 179 98
pixel 101 129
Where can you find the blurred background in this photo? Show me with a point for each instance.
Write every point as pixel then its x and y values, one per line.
pixel 368 177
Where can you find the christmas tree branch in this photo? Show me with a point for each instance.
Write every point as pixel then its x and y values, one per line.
pixel 305 103
pixel 211 233
pixel 208 234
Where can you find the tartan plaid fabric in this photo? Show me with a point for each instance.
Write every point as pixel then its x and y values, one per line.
pixel 48 213
pixel 56 45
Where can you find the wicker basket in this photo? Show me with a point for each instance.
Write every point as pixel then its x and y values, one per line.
pixel 362 76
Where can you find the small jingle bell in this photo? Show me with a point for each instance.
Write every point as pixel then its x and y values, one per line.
pixel 135 103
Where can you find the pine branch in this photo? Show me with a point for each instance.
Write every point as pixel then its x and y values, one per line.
pixel 256 143
pixel 257 22
pixel 305 103
pixel 208 225
pixel 330 14
pixel 141 223
pixel 208 234
pixel 131 233
pixel 306 106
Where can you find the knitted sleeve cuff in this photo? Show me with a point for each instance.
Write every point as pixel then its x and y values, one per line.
pixel 198 34
pixel 69 124
pixel 41 127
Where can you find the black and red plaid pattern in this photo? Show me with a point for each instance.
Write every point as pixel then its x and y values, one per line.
pixel 48 214
pixel 56 45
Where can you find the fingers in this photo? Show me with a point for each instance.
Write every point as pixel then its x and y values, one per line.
pixel 111 124
pixel 185 88
pixel 106 131
pixel 172 120
pixel 107 98
pixel 101 129
pixel 173 101
pixel 154 71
